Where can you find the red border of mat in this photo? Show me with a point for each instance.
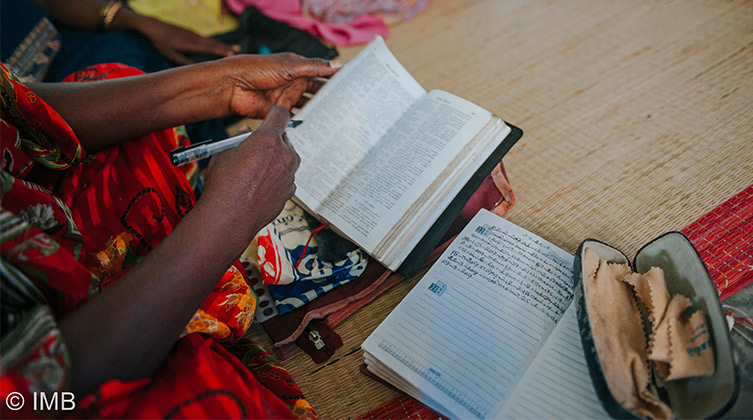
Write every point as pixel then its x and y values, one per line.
pixel 723 238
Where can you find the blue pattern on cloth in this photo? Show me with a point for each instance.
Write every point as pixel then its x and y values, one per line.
pixel 28 39
pixel 294 295
pixel 47 50
pixel 281 246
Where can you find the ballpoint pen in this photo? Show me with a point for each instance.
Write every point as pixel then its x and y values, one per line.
pixel 204 149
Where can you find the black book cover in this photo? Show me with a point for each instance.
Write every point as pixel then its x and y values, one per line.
pixel 417 257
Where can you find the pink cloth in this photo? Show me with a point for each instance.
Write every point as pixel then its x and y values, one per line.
pixel 360 31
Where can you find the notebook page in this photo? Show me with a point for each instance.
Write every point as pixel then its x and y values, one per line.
pixel 557 384
pixel 468 330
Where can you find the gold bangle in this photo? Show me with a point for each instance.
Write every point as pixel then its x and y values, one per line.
pixel 108 13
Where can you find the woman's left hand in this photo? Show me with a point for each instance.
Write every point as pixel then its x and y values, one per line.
pixel 258 81
pixel 176 43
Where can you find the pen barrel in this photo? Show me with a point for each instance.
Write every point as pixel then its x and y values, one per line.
pixel 190 155
pixel 184 155
pixel 228 144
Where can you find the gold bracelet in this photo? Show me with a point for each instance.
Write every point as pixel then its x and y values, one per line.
pixel 108 13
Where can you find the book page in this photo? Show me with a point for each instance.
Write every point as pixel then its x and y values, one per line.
pixel 420 217
pixel 557 384
pixel 401 167
pixel 345 120
pixel 468 330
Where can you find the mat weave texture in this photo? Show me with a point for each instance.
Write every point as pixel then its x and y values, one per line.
pixel 402 407
pixel 724 239
pixel 636 117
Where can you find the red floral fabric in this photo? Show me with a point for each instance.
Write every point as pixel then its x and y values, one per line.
pixel 72 224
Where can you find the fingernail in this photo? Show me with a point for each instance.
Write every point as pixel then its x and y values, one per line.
pixel 336 64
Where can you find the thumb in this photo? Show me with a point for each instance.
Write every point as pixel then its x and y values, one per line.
pixel 275 121
pixel 316 67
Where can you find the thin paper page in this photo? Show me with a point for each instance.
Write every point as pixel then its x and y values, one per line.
pixel 442 192
pixel 468 330
pixel 347 118
pixel 557 384
pixel 401 167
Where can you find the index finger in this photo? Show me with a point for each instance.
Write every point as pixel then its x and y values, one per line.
pixel 276 120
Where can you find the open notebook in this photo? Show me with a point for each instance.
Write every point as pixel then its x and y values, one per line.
pixel 489 331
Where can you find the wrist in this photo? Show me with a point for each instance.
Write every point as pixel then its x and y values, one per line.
pixel 233 225
pixel 125 20
pixel 189 94
pixel 108 13
pixel 217 84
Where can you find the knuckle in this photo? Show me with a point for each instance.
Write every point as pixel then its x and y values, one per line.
pixel 266 135
pixel 291 158
pixel 289 56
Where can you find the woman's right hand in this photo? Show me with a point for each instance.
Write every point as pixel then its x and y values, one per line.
pixel 252 182
pixel 126 331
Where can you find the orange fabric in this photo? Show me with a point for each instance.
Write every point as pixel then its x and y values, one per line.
pixel 76 224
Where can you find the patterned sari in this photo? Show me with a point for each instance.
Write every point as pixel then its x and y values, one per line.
pixel 71 224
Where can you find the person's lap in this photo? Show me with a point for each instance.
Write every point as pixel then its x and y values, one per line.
pixel 124 201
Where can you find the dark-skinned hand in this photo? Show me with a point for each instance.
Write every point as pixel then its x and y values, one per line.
pixel 175 42
pixel 256 177
pixel 277 79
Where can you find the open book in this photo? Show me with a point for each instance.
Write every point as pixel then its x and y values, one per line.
pixel 489 331
pixel 382 159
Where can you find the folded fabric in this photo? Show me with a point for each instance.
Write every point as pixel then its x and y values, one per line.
pixel 359 31
pixel 494 194
pixel 289 262
pixel 679 345
pixel 345 11
pixel 259 34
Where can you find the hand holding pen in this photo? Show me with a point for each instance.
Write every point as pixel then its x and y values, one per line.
pixel 258 176
pixel 204 149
